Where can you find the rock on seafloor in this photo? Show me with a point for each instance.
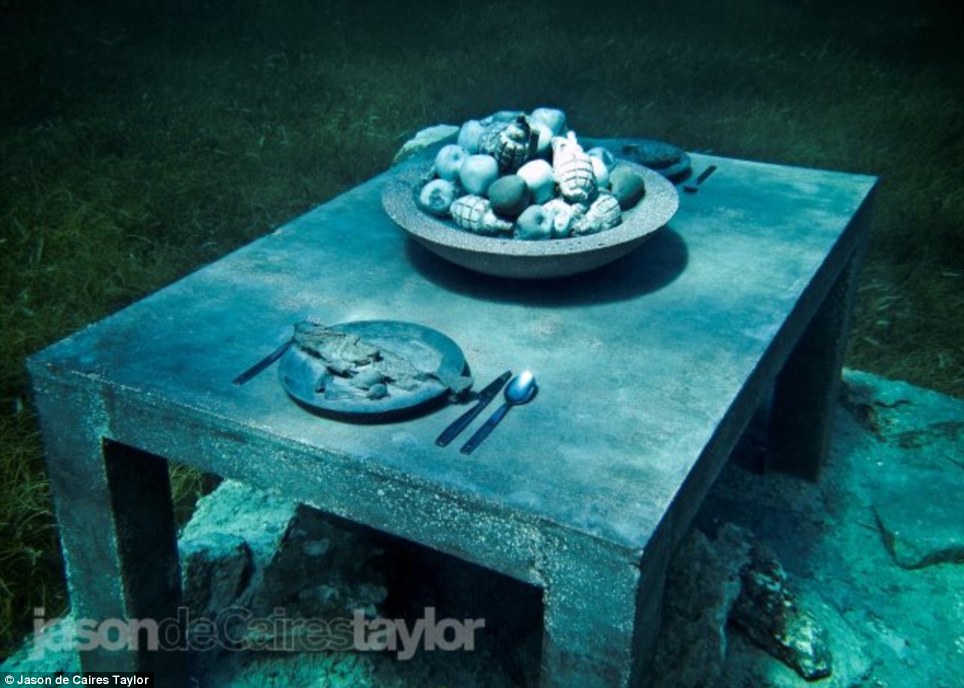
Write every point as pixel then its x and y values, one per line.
pixel 731 619
pixel 703 582
pixel 215 569
pixel 769 614
pixel 918 491
pixel 268 548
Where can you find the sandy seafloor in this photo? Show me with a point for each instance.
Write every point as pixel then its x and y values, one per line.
pixel 892 626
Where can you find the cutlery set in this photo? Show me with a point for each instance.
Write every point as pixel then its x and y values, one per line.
pixel 520 390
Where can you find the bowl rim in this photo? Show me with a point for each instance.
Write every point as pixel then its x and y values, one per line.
pixel 656 208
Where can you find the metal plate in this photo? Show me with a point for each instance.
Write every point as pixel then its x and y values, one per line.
pixel 424 347
pixel 528 259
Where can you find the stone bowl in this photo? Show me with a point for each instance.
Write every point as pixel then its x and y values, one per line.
pixel 520 258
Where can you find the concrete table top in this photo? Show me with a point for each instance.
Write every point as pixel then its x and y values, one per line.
pixel 649 369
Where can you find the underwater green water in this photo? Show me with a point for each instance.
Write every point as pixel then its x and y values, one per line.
pixel 142 140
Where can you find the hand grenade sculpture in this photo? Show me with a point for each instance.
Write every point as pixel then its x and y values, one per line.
pixel 572 169
pixel 602 214
pixel 475 214
pixel 512 144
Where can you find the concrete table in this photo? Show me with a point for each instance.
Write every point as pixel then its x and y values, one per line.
pixel 650 369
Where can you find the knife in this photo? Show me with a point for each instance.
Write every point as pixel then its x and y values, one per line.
pixel 485 396
pixel 695 186
pixel 263 363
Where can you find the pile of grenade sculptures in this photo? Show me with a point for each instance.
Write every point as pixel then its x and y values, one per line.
pixel 526 176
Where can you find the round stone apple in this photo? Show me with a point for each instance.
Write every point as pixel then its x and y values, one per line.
pixel 448 161
pixel 478 172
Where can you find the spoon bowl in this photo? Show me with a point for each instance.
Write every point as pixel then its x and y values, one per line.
pixel 520 390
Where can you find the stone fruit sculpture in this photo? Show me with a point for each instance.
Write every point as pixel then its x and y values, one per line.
pixel 526 176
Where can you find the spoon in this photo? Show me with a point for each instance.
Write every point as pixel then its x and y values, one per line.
pixel 520 390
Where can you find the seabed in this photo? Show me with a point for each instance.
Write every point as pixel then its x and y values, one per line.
pixel 873 555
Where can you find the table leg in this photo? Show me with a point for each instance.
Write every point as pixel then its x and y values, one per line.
pixel 602 613
pixel 806 389
pixel 117 533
